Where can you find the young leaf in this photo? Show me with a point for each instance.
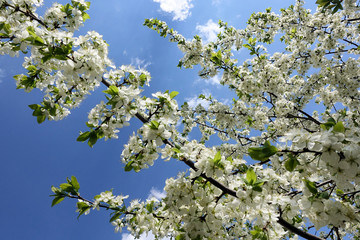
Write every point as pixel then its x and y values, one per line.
pixel 216 57
pixel 311 186
pixel 324 195
pixel 321 3
pixel 180 237
pixel 55 190
pixel 339 127
pixel 85 16
pixel 173 94
pixel 67 187
pixel 128 167
pixel 150 207
pixel 291 163
pixel 251 176
pixel 92 138
pixel 262 153
pixel 83 137
pixel 339 192
pixel 75 183
pixel 41 118
pixel 154 125
pixel 176 150
pixel 57 200
pixel 257 188
pixel 217 160
pixel 217 157
pixel 116 216
pixel 82 208
pixel 329 124
pixel 34 106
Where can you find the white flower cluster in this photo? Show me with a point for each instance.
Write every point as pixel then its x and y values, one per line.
pixel 65 67
pixel 109 198
pixel 306 163
pixel 121 106
pixel 161 113
pixel 335 153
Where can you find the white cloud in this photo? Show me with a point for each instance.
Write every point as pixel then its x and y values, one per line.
pixel 137 62
pixel 156 194
pixel 216 2
pixel 144 236
pixel 179 8
pixel 194 101
pixel 215 80
pixel 209 31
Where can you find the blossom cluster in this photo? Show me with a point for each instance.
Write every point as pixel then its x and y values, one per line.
pixel 280 165
pixel 160 116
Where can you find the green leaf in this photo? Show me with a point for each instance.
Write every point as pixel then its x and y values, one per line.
pixel 57 200
pixel 55 190
pixel 143 79
pixel 176 150
pixel 7 28
pixel 248 46
pixel 34 106
pixel 259 183
pixel 115 216
pixel 216 58
pixel 324 195
pixel 112 90
pixel 75 183
pixel 258 233
pixel 46 58
pixel 230 159
pixel 321 3
pixel 180 237
pixel 85 16
pixel 154 125
pixel 339 127
pixel 180 64
pixel 257 188
pixel 82 207
pixel 52 110
pixel 329 124
pixel 128 167
pixel 217 160
pixel 251 176
pixel 339 192
pixel 67 187
pixel 41 119
pixel 150 207
pixel 83 137
pixel 252 41
pixel 173 94
pixel 291 163
pixel 93 137
pixel 311 186
pixel 262 153
pixel 31 68
pixel 217 157
pixel 297 219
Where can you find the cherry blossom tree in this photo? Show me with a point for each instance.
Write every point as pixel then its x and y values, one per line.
pixel 281 169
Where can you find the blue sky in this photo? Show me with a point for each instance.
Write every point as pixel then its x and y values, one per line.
pixel 34 156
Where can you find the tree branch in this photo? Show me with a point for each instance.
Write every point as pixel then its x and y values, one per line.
pixel 224 188
pixel 297 231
